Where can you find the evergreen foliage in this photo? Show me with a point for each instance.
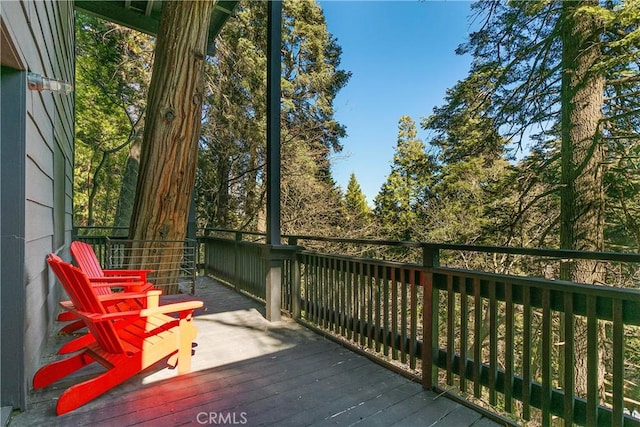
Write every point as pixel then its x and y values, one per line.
pixel 112 73
pixel 408 185
pixel 230 183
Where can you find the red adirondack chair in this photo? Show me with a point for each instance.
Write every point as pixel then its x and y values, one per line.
pixel 125 344
pixel 113 302
pixel 88 262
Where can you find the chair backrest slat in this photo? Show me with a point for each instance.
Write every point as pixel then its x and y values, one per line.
pixel 88 262
pixel 83 297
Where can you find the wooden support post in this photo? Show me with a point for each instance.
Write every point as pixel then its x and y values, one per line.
pixel 274 275
pixel 274 290
pixel 430 260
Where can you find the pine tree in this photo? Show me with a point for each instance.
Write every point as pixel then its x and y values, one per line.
pixel 358 214
pixel 408 185
pixel 545 67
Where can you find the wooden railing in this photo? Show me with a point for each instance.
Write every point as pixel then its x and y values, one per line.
pixel 520 347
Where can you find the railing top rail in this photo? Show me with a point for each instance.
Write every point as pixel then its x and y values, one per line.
pixel 601 290
pixel 540 252
pixel 127 240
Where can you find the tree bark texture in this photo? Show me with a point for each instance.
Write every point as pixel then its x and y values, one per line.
pixel 170 144
pixel 582 191
pixel 127 190
pixel 582 194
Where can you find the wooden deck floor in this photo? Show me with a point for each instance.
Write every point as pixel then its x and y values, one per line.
pixel 247 371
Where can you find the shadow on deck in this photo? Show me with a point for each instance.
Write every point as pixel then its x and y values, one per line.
pixel 247 371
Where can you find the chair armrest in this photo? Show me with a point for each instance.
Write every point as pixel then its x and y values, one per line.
pixel 149 299
pixel 111 279
pixel 98 317
pixel 186 307
pixel 122 296
pixel 172 308
pixel 123 272
pixel 111 284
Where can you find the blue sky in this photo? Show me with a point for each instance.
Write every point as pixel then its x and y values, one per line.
pixel 402 56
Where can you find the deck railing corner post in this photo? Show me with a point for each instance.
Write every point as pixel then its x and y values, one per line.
pixel 430 259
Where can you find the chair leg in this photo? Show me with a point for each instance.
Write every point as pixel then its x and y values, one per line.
pixel 80 394
pixel 72 327
pixel 54 371
pixel 77 344
pixel 188 332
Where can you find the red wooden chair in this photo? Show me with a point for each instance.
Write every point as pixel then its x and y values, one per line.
pixel 126 342
pixel 88 262
pixel 113 302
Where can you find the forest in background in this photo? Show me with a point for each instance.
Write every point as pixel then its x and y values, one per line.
pixel 461 185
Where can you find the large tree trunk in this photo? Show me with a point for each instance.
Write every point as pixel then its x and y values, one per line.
pixel 582 195
pixel 127 191
pixel 172 128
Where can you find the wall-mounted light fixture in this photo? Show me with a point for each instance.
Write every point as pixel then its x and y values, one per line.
pixel 40 83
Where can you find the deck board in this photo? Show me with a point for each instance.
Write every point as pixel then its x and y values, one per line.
pixel 248 371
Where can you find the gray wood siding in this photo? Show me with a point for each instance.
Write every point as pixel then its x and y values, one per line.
pixel 42 33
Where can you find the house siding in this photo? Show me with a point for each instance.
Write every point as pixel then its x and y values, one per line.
pixel 42 37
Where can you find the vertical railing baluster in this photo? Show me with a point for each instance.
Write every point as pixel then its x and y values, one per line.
pixel 342 289
pixel 464 333
pixel 333 305
pixel 592 361
pixel 337 292
pixel 316 289
pixel 296 287
pixel 311 297
pixel 363 302
pixel 369 294
pixel 403 317
pixel 376 289
pixel 477 346
pixel 508 347
pixel 394 314
pixel 385 308
pixel 450 330
pixel 355 280
pixel 350 311
pixel 526 352
pixel 324 292
pixel 493 342
pixel 618 363
pixel 547 339
pixel 304 286
pixel 413 319
pixel 569 359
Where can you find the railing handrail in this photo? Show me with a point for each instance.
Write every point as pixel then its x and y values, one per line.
pixel 510 250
